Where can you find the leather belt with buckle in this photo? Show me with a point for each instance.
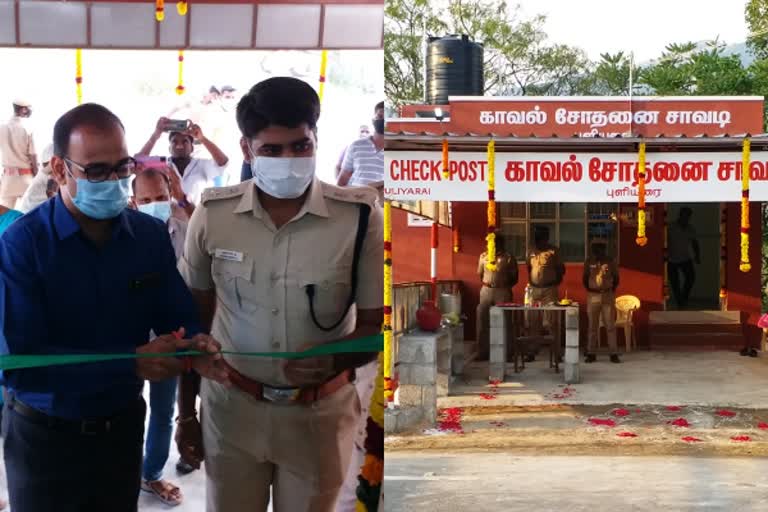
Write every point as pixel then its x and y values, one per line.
pixel 288 396
pixel 89 427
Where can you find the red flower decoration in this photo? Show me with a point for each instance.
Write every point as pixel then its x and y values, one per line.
pixel 742 439
pixel 680 422
pixel 762 425
pixel 450 420
pixel 498 423
pixel 600 421
pixel 673 407
pixel 689 439
pixel 626 434
pixel 725 413
pixel 488 396
pixel 620 412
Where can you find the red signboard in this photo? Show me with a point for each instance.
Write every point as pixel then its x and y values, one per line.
pixel 596 117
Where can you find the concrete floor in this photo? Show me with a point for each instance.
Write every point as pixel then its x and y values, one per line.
pixel 486 482
pixel 694 378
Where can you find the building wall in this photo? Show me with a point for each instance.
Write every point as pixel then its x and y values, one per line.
pixel 641 268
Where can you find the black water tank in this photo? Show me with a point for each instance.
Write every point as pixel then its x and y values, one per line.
pixel 454 68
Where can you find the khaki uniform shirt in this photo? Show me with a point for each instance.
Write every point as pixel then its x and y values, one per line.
pixel 16 144
pixel 544 266
pixel 601 276
pixel 260 273
pixel 505 275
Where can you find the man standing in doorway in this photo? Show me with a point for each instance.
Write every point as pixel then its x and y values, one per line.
pixel 601 278
pixel 19 156
pixel 364 160
pixel 683 252
pixel 497 287
pixel 545 273
pixel 271 264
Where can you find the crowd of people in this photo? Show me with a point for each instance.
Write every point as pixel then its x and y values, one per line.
pixel 108 251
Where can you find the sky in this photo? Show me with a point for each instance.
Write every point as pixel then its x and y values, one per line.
pixel 598 26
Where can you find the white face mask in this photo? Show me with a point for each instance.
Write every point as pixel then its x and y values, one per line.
pixel 283 178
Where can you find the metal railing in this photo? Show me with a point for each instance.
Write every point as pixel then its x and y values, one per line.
pixel 407 298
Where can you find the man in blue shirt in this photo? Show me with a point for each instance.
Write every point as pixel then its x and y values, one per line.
pixel 83 274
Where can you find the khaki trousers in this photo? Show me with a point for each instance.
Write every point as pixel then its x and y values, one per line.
pixel 488 297
pixel 544 319
pixel 601 305
pixel 302 452
pixel 12 188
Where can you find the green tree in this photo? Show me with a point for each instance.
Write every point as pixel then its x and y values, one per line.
pixel 610 76
pixel 519 58
pixel 756 16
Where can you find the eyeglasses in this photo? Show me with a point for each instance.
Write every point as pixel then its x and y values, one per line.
pixel 96 173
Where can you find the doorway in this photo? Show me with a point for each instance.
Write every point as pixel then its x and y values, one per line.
pixel 705 220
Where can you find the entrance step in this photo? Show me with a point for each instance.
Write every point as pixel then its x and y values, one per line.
pixel 696 330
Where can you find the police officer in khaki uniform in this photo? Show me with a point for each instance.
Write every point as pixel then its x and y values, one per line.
pixel 271 262
pixel 497 287
pixel 545 273
pixel 19 156
pixel 601 278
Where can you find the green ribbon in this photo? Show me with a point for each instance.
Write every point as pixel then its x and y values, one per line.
pixel 19 361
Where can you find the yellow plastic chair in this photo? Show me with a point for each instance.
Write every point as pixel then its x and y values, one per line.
pixel 626 305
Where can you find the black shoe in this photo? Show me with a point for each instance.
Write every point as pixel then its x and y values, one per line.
pixel 183 468
pixel 591 358
pixel 752 353
pixel 529 358
pixel 744 352
pixel 615 358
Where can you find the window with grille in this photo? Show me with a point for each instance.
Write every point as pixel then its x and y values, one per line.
pixel 426 209
pixel 572 227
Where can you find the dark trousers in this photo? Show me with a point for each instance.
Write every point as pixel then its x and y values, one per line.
pixel 681 292
pixel 50 468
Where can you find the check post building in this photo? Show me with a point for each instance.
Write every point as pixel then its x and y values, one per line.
pixel 571 164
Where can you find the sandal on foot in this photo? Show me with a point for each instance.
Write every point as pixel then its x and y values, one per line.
pixel 164 491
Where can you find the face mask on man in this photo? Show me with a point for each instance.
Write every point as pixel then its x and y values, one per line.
pixel 159 210
pixel 103 200
pixel 378 125
pixel 284 178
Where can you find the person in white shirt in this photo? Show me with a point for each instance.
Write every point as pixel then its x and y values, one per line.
pixel 364 134
pixel 19 157
pixel 37 193
pixel 196 174
pixel 364 160
pixel 152 195
pixel 683 252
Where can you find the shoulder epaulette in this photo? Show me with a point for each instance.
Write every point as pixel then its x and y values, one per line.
pixel 216 193
pixel 364 195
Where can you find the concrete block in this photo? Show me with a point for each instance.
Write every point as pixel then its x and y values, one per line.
pixel 497 371
pixel 498 317
pixel 443 384
pixel 571 373
pixel 390 420
pixel 457 364
pixel 410 396
pixel 429 401
pixel 402 419
pixel 497 336
pixel 417 349
pixel 418 374
pixel 572 319
pixel 498 353
pixel 571 355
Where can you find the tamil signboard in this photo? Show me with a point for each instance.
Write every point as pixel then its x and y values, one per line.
pixel 574 177
pixel 595 116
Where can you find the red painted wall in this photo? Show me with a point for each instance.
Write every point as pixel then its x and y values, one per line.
pixel 642 268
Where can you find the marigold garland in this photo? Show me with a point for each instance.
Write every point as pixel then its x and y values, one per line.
pixel 180 87
pixel 641 239
pixel 159 10
pixel 182 7
pixel 323 66
pixel 372 471
pixel 79 75
pixel 491 237
pixel 744 266
pixel 387 328
pixel 446 174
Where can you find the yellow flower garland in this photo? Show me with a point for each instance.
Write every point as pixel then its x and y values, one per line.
pixel 387 328
pixel 744 266
pixel 180 86
pixel 641 239
pixel 372 470
pixel 79 75
pixel 323 65
pixel 159 10
pixel 491 237
pixel 446 174
pixel 182 7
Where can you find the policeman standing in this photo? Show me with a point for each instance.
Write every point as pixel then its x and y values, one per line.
pixel 279 264
pixel 601 278
pixel 497 287
pixel 545 273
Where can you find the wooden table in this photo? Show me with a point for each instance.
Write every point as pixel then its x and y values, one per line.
pixel 504 324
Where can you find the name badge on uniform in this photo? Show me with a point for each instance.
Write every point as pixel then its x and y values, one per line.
pixel 226 254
